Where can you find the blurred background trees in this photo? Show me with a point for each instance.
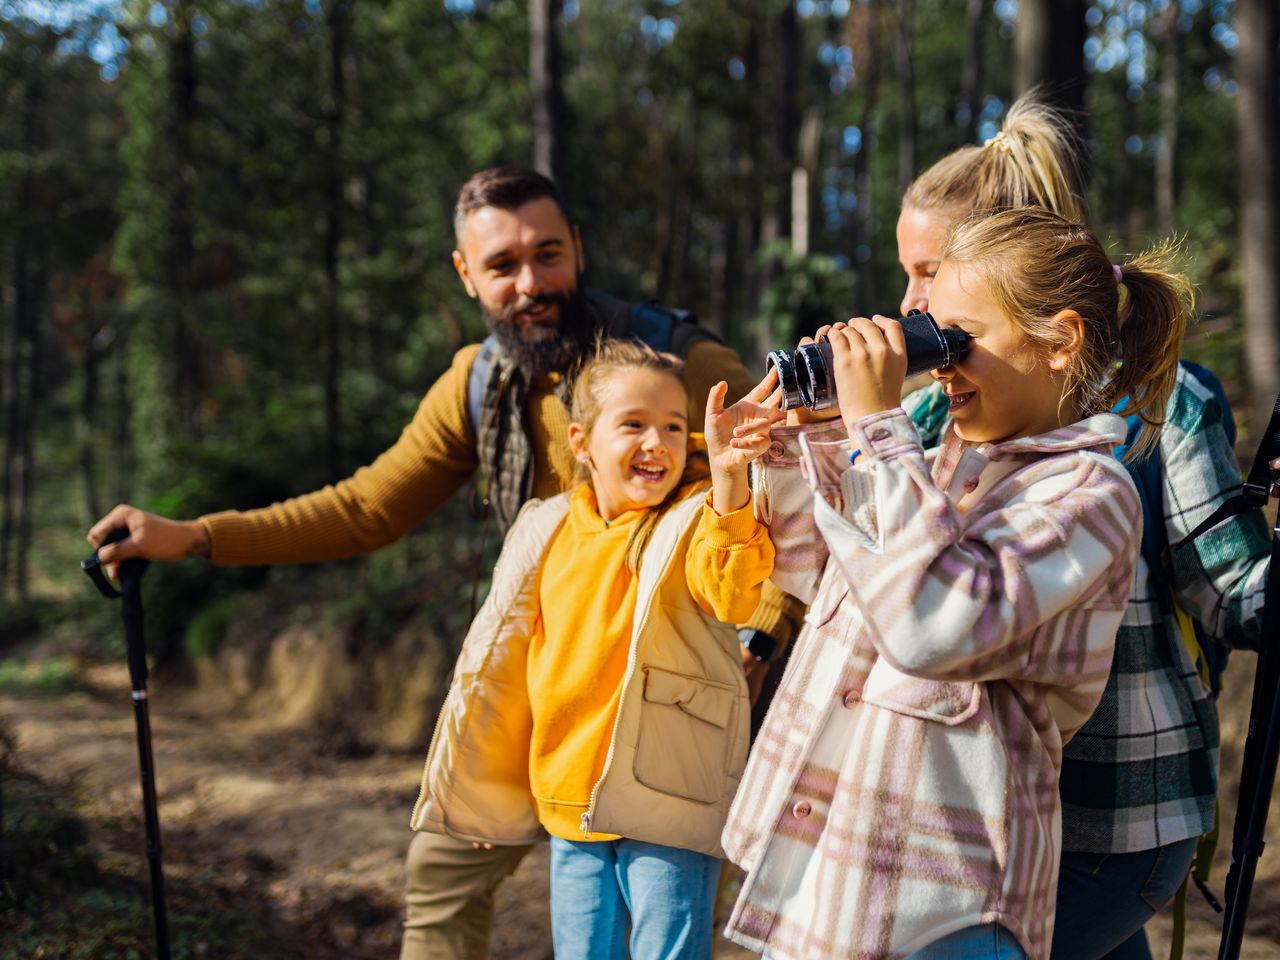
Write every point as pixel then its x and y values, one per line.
pixel 225 227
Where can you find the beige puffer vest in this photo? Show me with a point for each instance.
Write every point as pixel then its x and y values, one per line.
pixel 681 735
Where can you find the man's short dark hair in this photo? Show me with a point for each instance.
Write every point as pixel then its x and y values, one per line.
pixel 507 188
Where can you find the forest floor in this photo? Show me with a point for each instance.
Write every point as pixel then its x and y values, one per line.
pixel 302 851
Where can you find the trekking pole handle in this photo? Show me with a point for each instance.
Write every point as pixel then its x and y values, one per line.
pixel 91 566
pixel 129 569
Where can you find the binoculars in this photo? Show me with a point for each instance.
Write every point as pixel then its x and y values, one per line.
pixel 807 377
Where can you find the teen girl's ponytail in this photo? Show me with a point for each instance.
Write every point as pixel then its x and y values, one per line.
pixel 1155 303
pixel 1042 269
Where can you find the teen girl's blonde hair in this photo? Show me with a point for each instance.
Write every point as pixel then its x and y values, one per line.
pixel 1037 264
pixel 610 358
pixel 1032 161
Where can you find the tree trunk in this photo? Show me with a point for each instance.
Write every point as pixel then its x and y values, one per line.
pixel 1167 150
pixel 1049 51
pixel 1258 106
pixel 123 454
pixel 968 109
pixel 548 93
pixel 14 341
pixel 786 111
pixel 87 420
pixel 22 354
pixel 906 99
pixel 802 176
pixel 339 23
pixel 1166 154
pixel 180 256
pixel 866 27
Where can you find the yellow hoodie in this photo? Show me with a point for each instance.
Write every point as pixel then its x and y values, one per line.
pixel 579 650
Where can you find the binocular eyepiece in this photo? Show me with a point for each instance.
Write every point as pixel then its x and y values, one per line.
pixel 807 376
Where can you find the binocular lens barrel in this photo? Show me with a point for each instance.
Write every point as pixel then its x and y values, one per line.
pixel 807 377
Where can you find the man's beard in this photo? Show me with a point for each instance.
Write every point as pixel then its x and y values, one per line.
pixel 544 348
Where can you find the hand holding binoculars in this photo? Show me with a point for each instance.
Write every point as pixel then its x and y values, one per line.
pixel 807 374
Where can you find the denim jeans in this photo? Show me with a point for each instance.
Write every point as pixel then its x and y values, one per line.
pixel 987 942
pixel 665 895
pixel 1104 899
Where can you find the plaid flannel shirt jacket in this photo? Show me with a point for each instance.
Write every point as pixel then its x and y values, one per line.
pixel 964 609
pixel 1143 772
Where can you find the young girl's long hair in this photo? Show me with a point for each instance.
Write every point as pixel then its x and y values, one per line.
pixel 610 358
pixel 1037 264
pixel 1032 161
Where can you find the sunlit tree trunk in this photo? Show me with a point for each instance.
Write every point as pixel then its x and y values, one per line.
pixel 1258 107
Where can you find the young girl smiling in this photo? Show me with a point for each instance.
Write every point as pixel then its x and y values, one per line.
pixel 599 695
pixel 901 799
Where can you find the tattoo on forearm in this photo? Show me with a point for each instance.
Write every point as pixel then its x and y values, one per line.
pixel 203 545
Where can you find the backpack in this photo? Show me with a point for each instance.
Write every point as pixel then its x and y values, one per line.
pixel 664 329
pixel 1208 654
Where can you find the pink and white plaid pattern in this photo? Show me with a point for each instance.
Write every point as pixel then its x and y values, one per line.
pixel 904 785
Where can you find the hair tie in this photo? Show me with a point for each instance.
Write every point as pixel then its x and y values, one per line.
pixel 998 142
pixel 1118 273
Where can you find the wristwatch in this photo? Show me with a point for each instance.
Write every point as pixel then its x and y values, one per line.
pixel 759 644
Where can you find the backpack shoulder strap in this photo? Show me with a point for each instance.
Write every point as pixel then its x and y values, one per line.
pixel 1148 476
pixel 663 328
pixel 478 378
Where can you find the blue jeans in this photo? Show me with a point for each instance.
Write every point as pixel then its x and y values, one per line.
pixel 1104 899
pixel 665 895
pixel 987 942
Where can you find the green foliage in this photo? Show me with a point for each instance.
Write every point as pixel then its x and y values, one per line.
pixel 208 628
pixel 54 675
pixel 191 189
pixel 805 293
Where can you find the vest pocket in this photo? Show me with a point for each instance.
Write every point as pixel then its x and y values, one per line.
pixel 683 742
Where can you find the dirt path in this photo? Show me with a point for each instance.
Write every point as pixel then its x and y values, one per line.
pixel 323 839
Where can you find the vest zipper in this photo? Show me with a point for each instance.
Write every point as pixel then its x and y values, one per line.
pixel 585 823
pixel 435 735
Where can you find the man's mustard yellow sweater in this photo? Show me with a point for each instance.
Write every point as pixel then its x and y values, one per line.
pixel 433 458
pixel 580 645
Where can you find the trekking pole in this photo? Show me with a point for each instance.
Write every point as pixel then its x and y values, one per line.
pixel 1258 771
pixel 1262 742
pixel 130 591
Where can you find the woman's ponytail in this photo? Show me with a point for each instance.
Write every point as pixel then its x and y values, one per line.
pixel 1032 161
pixel 1155 304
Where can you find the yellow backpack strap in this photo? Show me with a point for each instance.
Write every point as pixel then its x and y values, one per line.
pixel 1191 641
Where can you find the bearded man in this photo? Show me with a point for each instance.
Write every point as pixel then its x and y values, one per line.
pixel 501 409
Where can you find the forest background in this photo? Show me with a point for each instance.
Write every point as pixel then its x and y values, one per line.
pixel 225 235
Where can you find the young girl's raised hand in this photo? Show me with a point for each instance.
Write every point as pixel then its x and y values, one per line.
pixel 735 436
pixel 870 359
